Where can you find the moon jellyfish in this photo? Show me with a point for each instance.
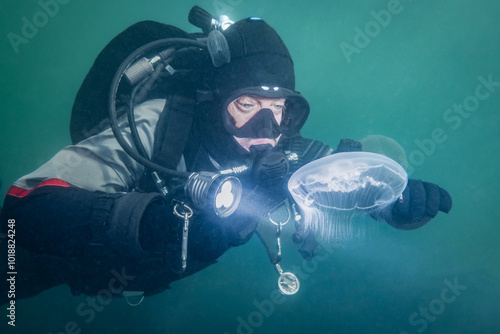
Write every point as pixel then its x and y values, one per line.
pixel 385 146
pixel 330 191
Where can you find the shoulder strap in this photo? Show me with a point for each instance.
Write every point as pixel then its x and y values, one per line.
pixel 172 131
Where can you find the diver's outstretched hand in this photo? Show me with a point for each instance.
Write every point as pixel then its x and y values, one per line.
pixel 421 201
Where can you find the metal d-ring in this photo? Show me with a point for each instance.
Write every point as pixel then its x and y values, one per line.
pixel 187 210
pixel 276 208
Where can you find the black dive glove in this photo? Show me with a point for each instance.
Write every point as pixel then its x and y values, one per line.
pixel 421 202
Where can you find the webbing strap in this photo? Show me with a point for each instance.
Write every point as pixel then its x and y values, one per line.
pixel 173 130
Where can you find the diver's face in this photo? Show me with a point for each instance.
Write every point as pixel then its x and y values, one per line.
pixel 247 106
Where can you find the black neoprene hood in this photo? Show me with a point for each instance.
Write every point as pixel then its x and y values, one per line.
pixel 260 65
pixel 258 58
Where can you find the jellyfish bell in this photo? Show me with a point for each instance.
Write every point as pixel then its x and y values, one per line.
pixel 385 146
pixel 333 189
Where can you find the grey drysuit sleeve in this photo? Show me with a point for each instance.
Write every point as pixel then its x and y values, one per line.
pixel 98 163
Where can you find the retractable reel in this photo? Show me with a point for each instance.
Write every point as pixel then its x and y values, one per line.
pixel 288 283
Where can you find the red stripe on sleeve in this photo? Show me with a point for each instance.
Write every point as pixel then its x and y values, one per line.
pixel 20 192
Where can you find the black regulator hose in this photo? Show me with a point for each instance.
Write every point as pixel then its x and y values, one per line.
pixel 161 43
pixel 130 112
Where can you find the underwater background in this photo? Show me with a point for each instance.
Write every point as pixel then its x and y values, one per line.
pixel 425 73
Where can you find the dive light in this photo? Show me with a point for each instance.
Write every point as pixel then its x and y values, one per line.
pixel 222 193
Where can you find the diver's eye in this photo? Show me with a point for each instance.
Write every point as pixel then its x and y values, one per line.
pixel 246 106
pixel 278 107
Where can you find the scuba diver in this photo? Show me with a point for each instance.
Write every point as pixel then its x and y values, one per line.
pixel 175 164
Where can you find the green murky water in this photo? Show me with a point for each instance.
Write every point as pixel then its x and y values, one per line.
pixel 425 73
